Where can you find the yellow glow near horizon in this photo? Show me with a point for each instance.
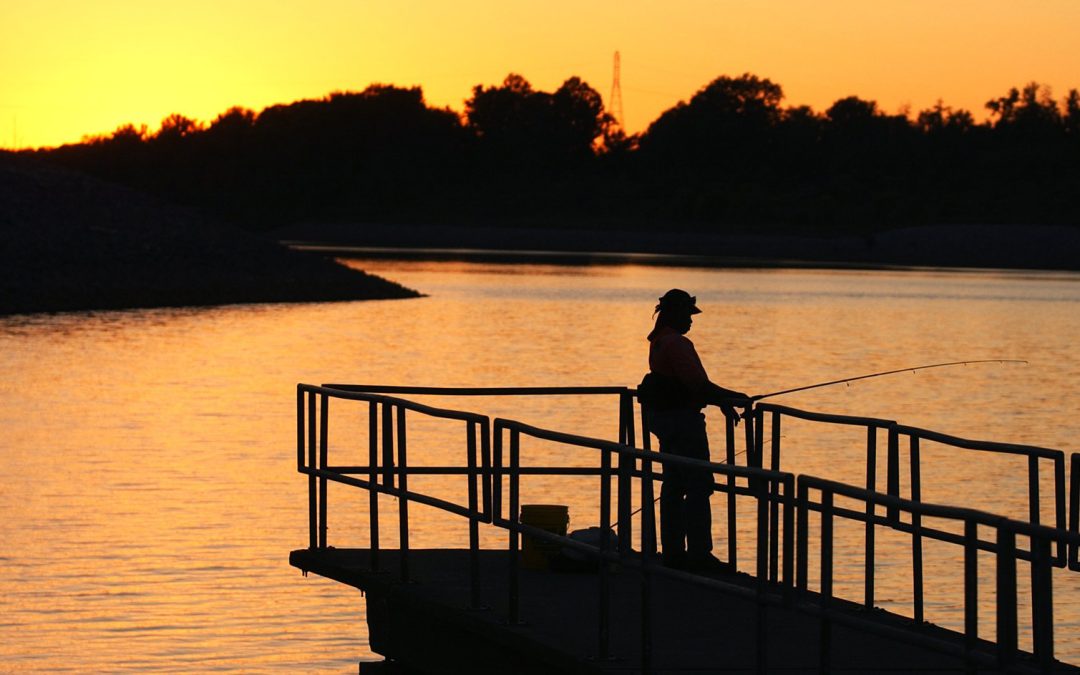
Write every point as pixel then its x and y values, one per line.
pixel 69 68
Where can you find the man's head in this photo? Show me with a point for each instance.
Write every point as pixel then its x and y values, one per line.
pixel 675 308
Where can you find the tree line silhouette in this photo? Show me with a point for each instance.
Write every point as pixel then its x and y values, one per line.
pixel 732 158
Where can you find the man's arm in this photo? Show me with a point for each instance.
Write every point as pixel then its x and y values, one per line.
pixel 717 395
pixel 725 399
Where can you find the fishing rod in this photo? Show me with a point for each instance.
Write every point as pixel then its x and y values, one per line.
pixel 911 369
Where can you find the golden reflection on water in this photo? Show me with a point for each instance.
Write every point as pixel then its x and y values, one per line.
pixel 151 497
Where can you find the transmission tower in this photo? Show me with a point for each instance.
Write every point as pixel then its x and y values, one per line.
pixel 615 103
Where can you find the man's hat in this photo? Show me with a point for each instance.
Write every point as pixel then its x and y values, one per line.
pixel 678 299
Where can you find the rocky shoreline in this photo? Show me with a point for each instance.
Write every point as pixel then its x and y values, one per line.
pixel 71 242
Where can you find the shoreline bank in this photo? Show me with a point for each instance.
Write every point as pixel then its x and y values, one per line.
pixel 1030 247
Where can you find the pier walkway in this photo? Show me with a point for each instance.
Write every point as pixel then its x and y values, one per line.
pixel 478 610
pixel 428 624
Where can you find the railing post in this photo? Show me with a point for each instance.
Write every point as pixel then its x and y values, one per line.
pixel 971 590
pixel 789 538
pixel 764 555
pixel 1006 593
pixel 753 450
pixel 324 433
pixel 1042 601
pixel 916 532
pixel 474 525
pixel 825 644
pixel 1060 499
pixel 1033 489
pixel 403 498
pixel 648 558
pixel 802 534
pixel 299 428
pixel 648 510
pixel 753 454
pixel 762 494
pixel 300 445
pixel 388 444
pixel 603 632
pixel 646 437
pixel 774 501
pixel 515 522
pixel 313 462
pixel 871 511
pixel 732 503
pixel 487 476
pixel 1074 511
pixel 498 470
pixel 892 480
pixel 373 478
pixel 626 468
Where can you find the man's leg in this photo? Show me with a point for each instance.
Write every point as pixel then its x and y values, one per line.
pixel 672 522
pixel 670 431
pixel 699 489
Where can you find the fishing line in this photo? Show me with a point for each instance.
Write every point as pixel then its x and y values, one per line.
pixel 911 369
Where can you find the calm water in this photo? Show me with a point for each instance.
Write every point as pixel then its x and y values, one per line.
pixel 150 497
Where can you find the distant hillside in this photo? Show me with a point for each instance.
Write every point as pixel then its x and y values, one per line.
pixel 72 242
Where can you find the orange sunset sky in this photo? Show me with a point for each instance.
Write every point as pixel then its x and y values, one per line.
pixel 75 67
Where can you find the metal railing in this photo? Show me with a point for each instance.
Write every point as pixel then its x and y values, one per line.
pixel 626 434
pixel 634 463
pixel 780 575
pixel 1004 547
pixel 773 489
pixel 895 433
pixel 387 421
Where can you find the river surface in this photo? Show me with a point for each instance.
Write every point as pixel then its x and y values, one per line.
pixel 150 495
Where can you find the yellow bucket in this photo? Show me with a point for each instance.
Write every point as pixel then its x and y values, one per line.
pixel 537 554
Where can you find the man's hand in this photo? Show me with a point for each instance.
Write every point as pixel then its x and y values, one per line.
pixel 730 413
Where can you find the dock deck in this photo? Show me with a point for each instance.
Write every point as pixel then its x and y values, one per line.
pixel 427 624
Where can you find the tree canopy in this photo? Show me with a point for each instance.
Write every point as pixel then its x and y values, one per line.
pixel 732 157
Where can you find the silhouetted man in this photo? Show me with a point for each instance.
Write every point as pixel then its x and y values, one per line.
pixel 674 393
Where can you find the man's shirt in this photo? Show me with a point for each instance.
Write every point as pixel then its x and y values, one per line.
pixel 673 355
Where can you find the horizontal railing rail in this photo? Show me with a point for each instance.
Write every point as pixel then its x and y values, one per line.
pixel 479 391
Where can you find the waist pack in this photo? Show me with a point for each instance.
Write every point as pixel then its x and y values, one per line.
pixel 662 392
